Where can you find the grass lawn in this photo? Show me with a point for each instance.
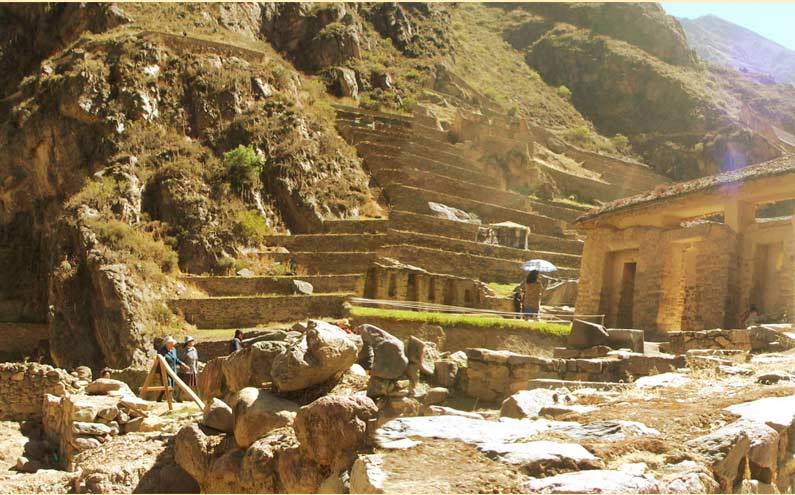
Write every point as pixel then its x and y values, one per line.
pixel 502 290
pixel 445 319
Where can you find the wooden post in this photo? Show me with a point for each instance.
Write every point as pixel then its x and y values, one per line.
pixel 164 377
pixel 161 366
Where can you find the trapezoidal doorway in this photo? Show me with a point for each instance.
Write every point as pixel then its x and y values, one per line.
pixel 618 288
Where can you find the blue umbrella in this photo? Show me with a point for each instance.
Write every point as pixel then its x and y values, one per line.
pixel 541 266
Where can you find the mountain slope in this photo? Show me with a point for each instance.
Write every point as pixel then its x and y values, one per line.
pixel 725 43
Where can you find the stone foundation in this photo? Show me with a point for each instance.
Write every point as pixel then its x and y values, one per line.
pixel 22 386
pixel 681 342
pixel 495 375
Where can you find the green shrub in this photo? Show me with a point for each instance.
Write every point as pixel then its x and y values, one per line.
pixel 564 92
pixel 243 169
pixel 579 134
pixel 151 257
pixel 621 142
pixel 249 225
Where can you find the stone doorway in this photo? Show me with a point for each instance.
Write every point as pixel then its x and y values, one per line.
pixel 626 296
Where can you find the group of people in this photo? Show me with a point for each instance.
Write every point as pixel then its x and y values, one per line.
pixel 184 363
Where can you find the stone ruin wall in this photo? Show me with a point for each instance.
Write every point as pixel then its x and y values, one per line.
pixel 23 385
pixel 415 285
pixel 662 276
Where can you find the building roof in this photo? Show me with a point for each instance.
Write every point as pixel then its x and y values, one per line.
pixel 779 166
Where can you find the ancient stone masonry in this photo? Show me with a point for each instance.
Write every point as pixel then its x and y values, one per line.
pixel 22 386
pixel 699 262
pixel 494 375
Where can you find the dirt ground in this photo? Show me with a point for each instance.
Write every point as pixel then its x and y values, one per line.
pixel 444 466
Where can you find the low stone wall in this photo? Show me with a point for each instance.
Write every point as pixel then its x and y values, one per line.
pixel 234 286
pixel 357 226
pixel 446 185
pixel 23 385
pixel 584 188
pixel 326 242
pixel 417 222
pixel 480 248
pixel 681 342
pixel 495 375
pixel 406 283
pixel 382 157
pixel 462 264
pixel 21 340
pixel 415 199
pixel 317 263
pixel 462 337
pixel 232 312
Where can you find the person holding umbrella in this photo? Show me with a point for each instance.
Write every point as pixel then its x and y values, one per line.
pixel 532 288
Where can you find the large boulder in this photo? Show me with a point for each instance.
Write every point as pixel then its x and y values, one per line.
pixel 219 416
pixel 423 354
pixel 192 452
pixel 389 359
pixel 585 334
pixel 595 481
pixel 324 352
pixel 331 429
pixel 211 381
pixel 257 412
pixel 367 475
pixel 250 367
pixel 223 475
pixel 541 458
pixel 298 474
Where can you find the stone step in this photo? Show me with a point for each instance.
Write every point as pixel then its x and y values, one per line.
pixel 327 242
pixel 416 200
pixel 404 138
pixel 411 144
pixel 323 263
pixel 248 311
pixel 355 226
pixel 429 224
pixel 216 286
pixel 562 213
pixel 480 248
pixel 483 268
pixel 377 157
pixel 433 182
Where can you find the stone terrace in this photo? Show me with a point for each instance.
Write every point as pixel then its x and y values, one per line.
pixel 413 255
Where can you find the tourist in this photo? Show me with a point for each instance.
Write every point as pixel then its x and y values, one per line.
pixel 169 352
pixel 190 356
pixel 237 341
pixel 531 294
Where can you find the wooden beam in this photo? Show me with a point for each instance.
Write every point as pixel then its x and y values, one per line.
pixel 182 385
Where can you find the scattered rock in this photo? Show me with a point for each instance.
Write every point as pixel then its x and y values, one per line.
pixel 192 451
pixel 107 386
pixel 218 416
pixel 379 387
pixel 84 373
pixel 25 465
pixel 436 395
pixel 142 425
pixel 389 360
pixel 594 481
pixel 245 272
pixel 367 475
pixel 257 412
pixel 301 287
pixel 423 354
pixel 773 378
pixel 527 403
pixel 96 429
pixel 723 450
pixel 331 429
pixel 539 458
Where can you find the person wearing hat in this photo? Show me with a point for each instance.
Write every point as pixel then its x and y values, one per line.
pixel 169 352
pixel 190 356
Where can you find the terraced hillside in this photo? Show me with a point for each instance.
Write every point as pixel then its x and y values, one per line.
pixel 416 254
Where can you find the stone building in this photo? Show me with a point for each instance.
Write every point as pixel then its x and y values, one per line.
pixel 693 255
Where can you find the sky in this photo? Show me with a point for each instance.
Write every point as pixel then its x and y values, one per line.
pixel 774 21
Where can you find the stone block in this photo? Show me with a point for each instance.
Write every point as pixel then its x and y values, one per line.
pixel 591 352
pixel 620 338
pixel 585 334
